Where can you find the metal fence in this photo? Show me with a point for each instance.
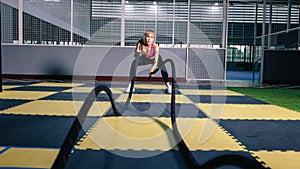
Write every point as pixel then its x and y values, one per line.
pixel 178 23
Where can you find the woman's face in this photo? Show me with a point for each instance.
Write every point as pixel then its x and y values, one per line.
pixel 150 38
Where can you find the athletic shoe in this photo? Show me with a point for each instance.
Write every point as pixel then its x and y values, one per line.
pixel 128 89
pixel 169 89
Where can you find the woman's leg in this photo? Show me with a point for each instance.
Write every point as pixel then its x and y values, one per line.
pixel 134 65
pixel 163 70
pixel 164 74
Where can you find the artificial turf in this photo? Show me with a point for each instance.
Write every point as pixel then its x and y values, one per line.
pixel 288 98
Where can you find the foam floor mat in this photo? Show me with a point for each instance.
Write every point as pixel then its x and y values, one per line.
pixel 35 117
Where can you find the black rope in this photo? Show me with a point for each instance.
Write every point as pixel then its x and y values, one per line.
pixel 190 160
pixel 152 73
pixel 76 127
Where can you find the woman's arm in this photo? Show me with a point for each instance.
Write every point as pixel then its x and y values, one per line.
pixel 138 49
pixel 156 54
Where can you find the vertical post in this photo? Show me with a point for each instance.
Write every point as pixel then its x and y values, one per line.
pixel 225 24
pixel 288 23
pixel 188 39
pixel 123 23
pixel 173 24
pixel 254 43
pixel 20 15
pixel 255 32
pixel 225 33
pixel 298 45
pixel 156 17
pixel 263 42
pixel 270 24
pixel 188 24
pixel 72 20
pixel 1 89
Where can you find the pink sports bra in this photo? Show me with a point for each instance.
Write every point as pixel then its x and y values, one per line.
pixel 151 52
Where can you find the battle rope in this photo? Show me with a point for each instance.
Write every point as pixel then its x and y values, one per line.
pixel 152 73
pixel 76 127
pixel 191 161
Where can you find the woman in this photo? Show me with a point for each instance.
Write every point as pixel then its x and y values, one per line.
pixel 148 52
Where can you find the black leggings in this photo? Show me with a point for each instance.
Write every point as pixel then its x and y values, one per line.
pixel 145 61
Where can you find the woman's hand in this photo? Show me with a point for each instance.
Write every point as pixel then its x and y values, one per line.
pixel 151 70
pixel 137 54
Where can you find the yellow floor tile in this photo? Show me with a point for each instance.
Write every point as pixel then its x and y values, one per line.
pixel 125 133
pixel 89 89
pixel 24 95
pixel 279 160
pixel 206 135
pixel 154 98
pixel 249 111
pixel 56 84
pixel 5 87
pixel 150 86
pixel 28 158
pixel 57 108
pixel 142 133
pixel 80 89
pixel 210 92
